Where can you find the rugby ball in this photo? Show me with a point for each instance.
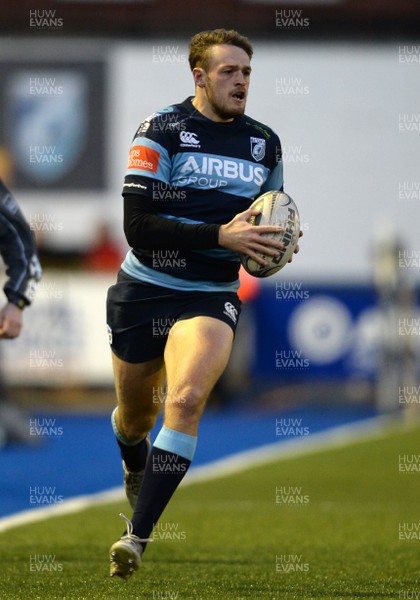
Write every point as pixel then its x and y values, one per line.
pixel 276 208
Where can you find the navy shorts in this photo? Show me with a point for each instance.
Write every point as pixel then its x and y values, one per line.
pixel 140 315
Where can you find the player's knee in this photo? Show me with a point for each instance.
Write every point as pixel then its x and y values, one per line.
pixel 135 428
pixel 187 401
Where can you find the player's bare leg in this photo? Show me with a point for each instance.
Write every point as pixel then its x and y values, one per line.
pixel 135 415
pixel 196 353
pixel 137 387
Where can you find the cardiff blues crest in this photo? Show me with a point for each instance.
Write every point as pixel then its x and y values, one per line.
pixel 257 148
pixel 49 117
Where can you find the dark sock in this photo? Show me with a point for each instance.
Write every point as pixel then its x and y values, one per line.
pixel 134 456
pixel 164 472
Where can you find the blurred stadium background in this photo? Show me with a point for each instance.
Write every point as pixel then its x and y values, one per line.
pixel 338 80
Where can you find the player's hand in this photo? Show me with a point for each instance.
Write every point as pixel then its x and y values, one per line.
pixel 296 250
pixel 11 320
pixel 241 236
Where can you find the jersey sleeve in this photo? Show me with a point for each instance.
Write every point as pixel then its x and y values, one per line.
pixel 145 229
pixel 275 179
pixel 149 159
pixel 148 174
pixel 17 248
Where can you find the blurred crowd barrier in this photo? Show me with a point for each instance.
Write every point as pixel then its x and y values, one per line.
pixel 302 334
pixel 65 340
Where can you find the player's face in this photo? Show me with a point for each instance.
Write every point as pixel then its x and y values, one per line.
pixel 226 82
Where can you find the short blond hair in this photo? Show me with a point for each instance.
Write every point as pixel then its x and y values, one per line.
pixel 203 41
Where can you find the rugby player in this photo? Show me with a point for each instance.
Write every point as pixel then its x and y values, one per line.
pixel 23 271
pixel 17 248
pixel 194 169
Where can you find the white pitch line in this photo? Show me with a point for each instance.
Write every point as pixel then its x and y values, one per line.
pixel 336 437
pixel 73 505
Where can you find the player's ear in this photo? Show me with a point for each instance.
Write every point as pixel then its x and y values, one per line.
pixel 199 76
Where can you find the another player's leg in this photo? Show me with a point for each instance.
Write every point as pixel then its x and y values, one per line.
pixel 196 353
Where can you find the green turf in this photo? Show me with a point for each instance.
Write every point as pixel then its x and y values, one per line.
pixel 231 531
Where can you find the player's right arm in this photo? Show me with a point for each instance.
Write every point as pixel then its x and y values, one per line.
pixel 147 177
pixel 147 180
pixel 145 229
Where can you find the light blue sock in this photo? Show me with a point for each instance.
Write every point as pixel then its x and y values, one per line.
pixel 118 434
pixel 177 442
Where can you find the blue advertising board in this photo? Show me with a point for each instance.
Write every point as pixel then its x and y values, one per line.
pixel 317 332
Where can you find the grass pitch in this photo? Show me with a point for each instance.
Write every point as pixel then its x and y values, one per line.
pixel 326 525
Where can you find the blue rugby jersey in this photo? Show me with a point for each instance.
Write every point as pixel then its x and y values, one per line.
pixel 18 250
pixel 190 169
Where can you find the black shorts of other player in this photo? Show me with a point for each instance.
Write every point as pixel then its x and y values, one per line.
pixel 140 315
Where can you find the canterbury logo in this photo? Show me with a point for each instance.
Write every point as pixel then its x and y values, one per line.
pixel 231 311
pixel 189 138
